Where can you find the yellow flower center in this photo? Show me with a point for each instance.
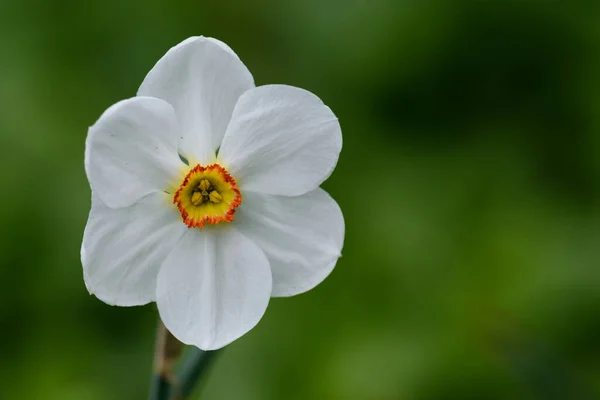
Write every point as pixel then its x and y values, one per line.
pixel 207 195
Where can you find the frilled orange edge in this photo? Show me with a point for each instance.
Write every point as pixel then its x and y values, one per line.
pixel 208 210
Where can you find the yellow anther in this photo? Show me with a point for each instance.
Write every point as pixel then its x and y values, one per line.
pixel 204 185
pixel 197 198
pixel 215 197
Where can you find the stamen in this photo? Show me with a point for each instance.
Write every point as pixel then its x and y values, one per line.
pixel 204 185
pixel 197 198
pixel 215 197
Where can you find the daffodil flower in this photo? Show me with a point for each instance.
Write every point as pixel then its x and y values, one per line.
pixel 206 198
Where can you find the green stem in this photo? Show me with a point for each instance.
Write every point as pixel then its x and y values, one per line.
pixel 160 388
pixel 166 354
pixel 194 366
pixel 168 385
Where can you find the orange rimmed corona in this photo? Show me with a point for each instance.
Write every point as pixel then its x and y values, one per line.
pixel 207 195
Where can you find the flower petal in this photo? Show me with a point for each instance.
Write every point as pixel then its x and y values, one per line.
pixel 301 236
pixel 281 140
pixel 213 288
pixel 124 248
pixel 131 151
pixel 202 78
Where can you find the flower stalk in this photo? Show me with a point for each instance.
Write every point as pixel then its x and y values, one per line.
pixel 167 352
pixel 169 382
pixel 193 367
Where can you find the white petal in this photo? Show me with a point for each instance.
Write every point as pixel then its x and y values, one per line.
pixel 131 151
pixel 203 79
pixel 301 236
pixel 213 288
pixel 281 140
pixel 124 248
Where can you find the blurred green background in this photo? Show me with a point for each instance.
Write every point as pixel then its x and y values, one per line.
pixel 469 180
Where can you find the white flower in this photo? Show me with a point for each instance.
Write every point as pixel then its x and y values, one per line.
pixel 206 198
